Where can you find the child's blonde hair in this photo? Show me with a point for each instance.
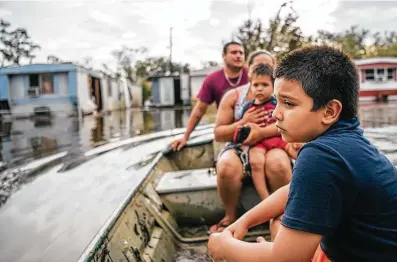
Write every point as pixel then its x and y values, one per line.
pixel 261 52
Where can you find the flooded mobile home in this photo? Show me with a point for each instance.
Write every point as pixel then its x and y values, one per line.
pixel 60 90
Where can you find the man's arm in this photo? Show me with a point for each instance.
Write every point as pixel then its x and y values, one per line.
pixel 205 97
pixel 289 245
pixel 195 117
pixel 224 126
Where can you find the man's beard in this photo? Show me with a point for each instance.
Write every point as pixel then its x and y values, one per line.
pixel 234 69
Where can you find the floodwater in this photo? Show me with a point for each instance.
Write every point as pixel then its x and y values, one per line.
pixel 25 140
pixel 22 141
pixel 380 127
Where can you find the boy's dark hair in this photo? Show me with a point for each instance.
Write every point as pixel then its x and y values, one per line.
pixel 324 73
pixel 262 70
pixel 229 44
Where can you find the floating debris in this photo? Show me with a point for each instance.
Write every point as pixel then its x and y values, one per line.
pixel 9 183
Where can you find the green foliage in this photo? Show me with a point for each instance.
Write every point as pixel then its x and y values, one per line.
pixel 146 90
pixel 15 45
pixel 281 34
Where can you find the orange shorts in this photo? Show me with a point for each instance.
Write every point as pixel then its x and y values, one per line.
pixel 319 256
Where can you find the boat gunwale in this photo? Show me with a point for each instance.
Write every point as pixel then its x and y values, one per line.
pixel 97 241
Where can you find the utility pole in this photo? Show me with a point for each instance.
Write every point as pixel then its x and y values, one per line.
pixel 249 7
pixel 170 62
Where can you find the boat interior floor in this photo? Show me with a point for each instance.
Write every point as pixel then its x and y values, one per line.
pixel 187 187
pixel 167 219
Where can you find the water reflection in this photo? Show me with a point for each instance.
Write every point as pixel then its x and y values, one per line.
pixel 378 115
pixel 24 140
pixel 27 139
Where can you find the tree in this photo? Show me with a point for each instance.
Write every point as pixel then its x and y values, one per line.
pixel 351 41
pixel 283 35
pixel 359 42
pixel 15 45
pixel 207 64
pixel 280 35
pixel 384 45
pixel 157 66
pixel 87 62
pixel 52 59
pixel 126 59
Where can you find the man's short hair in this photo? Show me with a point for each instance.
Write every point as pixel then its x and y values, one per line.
pixel 262 70
pixel 229 44
pixel 324 73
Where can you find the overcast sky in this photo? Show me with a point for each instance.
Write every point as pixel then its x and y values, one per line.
pixel 72 30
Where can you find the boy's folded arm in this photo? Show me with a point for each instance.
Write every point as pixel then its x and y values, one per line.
pixel 271 207
pixel 289 245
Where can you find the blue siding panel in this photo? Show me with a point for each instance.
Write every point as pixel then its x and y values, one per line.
pixel 4 87
pixel 72 89
pixel 55 80
pixel 40 68
pixel 48 100
pixel 26 84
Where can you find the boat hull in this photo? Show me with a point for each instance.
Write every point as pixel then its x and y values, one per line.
pixel 161 219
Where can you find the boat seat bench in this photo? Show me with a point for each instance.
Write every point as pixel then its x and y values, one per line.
pixel 191 196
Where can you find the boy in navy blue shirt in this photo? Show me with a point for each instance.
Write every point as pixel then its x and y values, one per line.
pixel 341 204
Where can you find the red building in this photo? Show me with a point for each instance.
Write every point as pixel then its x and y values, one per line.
pixel 378 77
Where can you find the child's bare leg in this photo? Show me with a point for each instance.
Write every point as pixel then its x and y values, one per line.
pixel 257 162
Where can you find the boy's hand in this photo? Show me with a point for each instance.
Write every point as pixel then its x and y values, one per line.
pixel 239 229
pixel 215 243
pixel 292 149
pixel 297 146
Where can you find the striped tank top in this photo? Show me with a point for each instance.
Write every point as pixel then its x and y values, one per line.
pixel 241 93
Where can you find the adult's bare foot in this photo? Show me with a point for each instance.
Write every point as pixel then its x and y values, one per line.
pixel 221 225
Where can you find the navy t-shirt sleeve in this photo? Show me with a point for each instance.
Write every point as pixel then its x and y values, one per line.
pixel 317 191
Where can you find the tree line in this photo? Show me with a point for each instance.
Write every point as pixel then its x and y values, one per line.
pixel 280 35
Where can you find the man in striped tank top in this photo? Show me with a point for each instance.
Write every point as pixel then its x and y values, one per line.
pixel 230 169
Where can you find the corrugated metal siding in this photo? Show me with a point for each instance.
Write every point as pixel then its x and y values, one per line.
pixel 61 84
pixel 195 85
pixel 81 86
pixel 167 91
pixel 185 87
pixel 17 88
pixel 156 92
